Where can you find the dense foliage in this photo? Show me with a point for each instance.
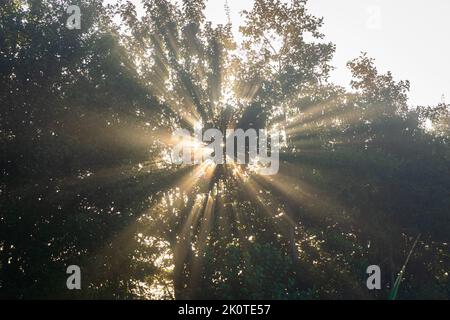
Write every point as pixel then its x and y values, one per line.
pixel 85 124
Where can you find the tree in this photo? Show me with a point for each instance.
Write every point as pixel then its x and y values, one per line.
pixel 87 178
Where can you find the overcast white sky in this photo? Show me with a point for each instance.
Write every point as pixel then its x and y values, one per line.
pixel 408 37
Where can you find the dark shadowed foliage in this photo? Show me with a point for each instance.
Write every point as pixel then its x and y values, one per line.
pixel 86 176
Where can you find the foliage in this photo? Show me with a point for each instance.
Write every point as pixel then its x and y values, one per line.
pixel 85 124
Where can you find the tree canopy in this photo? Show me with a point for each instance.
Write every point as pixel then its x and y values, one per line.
pixel 86 176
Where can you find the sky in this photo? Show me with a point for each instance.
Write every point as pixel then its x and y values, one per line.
pixel 408 37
